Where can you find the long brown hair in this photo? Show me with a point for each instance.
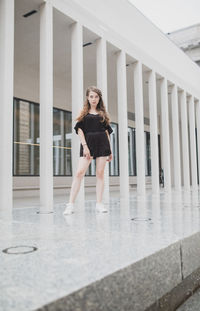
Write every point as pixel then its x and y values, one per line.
pixel 100 106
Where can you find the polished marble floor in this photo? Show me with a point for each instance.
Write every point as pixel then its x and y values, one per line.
pixel 74 251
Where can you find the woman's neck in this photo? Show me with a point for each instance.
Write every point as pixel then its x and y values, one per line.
pixel 93 111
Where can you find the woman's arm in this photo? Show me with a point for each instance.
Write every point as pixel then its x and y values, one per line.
pixel 86 151
pixel 110 156
pixel 108 138
pixel 81 136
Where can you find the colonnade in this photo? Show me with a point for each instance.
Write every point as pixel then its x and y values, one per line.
pixel 189 113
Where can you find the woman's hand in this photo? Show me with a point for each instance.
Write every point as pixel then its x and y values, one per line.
pixel 86 152
pixel 109 158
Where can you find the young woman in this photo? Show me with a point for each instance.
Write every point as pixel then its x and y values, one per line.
pixel 94 132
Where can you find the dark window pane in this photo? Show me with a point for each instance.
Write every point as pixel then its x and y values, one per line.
pixel 26 138
pixel 131 151
pixel 26 149
pixel 148 154
pixel 114 164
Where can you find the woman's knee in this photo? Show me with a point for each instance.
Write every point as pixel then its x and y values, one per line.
pixel 80 173
pixel 100 173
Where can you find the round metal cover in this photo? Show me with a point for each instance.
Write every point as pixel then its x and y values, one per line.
pixel 18 250
pixel 141 219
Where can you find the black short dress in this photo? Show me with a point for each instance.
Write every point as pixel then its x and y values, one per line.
pixel 95 135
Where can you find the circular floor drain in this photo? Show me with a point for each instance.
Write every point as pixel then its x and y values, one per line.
pixel 38 212
pixel 18 250
pixel 141 219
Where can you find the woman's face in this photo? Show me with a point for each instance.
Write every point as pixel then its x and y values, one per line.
pixel 93 99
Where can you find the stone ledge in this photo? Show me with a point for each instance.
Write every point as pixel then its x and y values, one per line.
pixel 190 247
pixel 178 295
pixel 157 282
pixel 135 287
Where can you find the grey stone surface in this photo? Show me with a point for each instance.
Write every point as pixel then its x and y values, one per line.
pixel 190 254
pixel 177 295
pixel 132 288
pixel 84 248
pixel 192 304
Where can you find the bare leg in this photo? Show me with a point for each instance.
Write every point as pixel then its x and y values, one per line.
pixel 100 166
pixel 80 173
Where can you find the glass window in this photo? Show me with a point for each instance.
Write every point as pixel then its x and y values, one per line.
pixel 114 164
pixel 159 152
pixel 26 140
pixel 67 143
pixel 61 143
pixel 26 135
pixel 131 151
pixel 147 154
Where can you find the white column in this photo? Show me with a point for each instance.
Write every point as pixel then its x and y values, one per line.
pixel 139 120
pixel 123 124
pixel 101 61
pixel 165 134
pixel 193 157
pixel 198 133
pixel 46 107
pixel 77 97
pixel 176 138
pixel 153 132
pixel 185 147
pixel 6 91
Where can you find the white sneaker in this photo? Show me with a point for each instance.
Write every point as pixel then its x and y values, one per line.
pixel 101 208
pixel 69 209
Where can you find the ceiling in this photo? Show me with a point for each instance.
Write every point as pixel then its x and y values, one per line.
pixel 27 38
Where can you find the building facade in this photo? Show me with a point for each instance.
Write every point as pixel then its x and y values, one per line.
pixel 188 39
pixel 50 52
